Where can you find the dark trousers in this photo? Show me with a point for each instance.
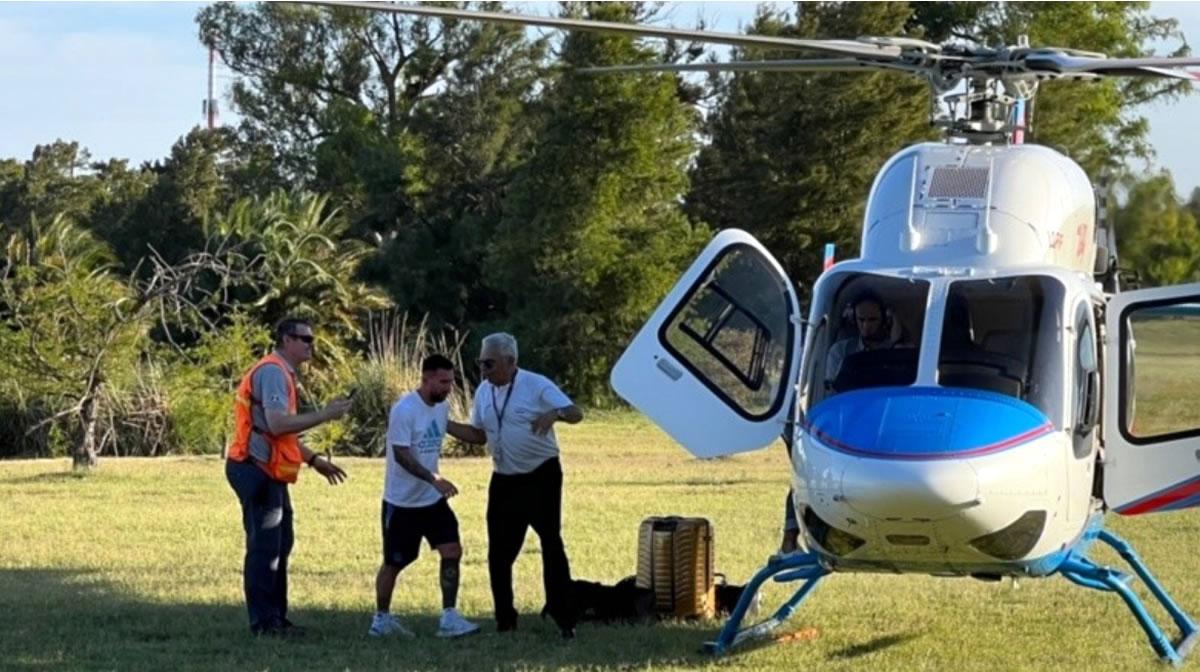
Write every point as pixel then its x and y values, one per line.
pixel 516 502
pixel 267 519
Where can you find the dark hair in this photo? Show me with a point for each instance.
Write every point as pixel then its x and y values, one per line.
pixel 868 296
pixel 287 326
pixel 436 362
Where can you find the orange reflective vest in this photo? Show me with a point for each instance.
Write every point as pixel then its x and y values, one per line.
pixel 285 461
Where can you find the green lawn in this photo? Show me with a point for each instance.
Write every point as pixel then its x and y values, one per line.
pixel 138 567
pixel 1168 361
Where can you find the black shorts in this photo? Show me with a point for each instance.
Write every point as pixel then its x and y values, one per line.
pixel 403 528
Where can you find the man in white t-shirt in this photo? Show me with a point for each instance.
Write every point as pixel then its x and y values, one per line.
pixel 414 499
pixel 515 411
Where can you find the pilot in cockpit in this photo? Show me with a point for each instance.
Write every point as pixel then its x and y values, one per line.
pixel 877 330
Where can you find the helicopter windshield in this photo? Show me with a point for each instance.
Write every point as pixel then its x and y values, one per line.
pixel 869 335
pixel 1000 335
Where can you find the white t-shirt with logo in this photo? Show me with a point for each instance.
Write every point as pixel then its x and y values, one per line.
pixel 506 414
pixel 421 428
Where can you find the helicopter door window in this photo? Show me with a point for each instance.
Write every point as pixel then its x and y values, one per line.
pixel 1163 386
pixel 732 332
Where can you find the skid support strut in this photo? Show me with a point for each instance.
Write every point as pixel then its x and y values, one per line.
pixel 786 568
pixel 1080 570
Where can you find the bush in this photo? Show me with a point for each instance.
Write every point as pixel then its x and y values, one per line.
pixel 392 368
pixel 201 386
pixel 24 432
pixel 134 417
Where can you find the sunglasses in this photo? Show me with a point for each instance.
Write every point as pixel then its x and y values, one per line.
pixel 486 363
pixel 307 338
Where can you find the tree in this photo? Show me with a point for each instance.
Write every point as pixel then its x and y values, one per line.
pixel 166 213
pixel 1156 235
pixel 54 182
pixel 308 73
pixel 67 324
pixel 411 125
pixel 113 216
pixel 71 329
pixel 792 156
pixel 432 260
pixel 292 260
pixel 592 234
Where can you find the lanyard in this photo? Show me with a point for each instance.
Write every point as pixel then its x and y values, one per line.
pixel 500 411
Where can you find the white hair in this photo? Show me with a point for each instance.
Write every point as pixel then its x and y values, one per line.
pixel 505 344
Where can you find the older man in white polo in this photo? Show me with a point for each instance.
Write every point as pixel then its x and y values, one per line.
pixel 515 411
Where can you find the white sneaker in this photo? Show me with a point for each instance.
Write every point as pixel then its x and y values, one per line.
pixel 454 625
pixel 387 625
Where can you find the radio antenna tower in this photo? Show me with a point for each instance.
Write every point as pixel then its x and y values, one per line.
pixel 209 107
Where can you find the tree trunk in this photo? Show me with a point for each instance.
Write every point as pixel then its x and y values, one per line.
pixel 85 451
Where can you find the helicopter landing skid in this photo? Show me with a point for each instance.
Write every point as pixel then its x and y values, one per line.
pixel 784 568
pixel 1078 569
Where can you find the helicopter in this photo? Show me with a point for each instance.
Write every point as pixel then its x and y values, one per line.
pixel 984 420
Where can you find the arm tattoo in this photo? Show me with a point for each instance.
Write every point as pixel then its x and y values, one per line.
pixel 408 462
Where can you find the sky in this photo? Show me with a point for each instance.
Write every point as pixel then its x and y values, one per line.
pixel 126 80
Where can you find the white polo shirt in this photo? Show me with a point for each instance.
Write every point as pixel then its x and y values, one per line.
pixel 506 414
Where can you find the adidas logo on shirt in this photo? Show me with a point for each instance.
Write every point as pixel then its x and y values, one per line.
pixel 431 441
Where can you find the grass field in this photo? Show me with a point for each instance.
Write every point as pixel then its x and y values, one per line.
pixel 138 567
pixel 1168 361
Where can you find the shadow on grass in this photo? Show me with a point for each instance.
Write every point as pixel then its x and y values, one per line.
pixel 68 476
pixel 877 644
pixel 74 619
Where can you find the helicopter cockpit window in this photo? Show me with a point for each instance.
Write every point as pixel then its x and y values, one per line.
pixel 733 331
pixel 869 335
pixel 1001 335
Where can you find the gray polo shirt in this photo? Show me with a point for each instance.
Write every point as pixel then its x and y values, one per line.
pixel 269 386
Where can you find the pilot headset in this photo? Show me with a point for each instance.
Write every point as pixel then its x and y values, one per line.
pixel 870 296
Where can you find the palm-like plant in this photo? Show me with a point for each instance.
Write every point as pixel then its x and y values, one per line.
pixel 301 263
pixel 296 262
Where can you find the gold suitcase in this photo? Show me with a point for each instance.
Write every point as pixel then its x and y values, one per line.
pixel 675 561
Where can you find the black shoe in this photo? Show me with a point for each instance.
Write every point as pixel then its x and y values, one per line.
pixel 506 624
pixel 272 630
pixel 284 629
pixel 567 633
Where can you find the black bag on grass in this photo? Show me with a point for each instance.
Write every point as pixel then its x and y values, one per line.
pixel 622 603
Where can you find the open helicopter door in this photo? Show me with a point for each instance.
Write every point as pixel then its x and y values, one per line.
pixel 1151 416
pixel 715 365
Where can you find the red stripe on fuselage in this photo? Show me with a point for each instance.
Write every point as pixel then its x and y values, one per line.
pixel 1005 444
pixel 1155 502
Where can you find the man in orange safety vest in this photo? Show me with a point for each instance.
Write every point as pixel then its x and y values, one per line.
pixel 263 458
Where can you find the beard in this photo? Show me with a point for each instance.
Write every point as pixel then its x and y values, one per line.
pixel 876 338
pixel 439 397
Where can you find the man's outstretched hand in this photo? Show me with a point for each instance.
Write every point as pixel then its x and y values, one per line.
pixel 332 473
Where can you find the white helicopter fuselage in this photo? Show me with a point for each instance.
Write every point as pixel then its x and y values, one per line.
pixel 988 424
pixel 927 478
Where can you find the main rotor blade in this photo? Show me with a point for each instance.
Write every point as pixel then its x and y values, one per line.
pixel 872 50
pixel 1118 67
pixel 804 65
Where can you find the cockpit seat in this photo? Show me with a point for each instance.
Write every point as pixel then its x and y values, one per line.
pixel 979 369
